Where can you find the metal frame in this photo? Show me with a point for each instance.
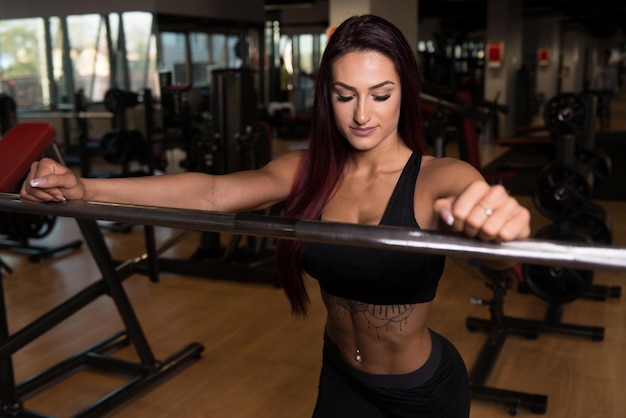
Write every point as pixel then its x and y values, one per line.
pixel 144 373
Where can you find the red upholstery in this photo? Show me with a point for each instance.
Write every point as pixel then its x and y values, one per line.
pixel 19 147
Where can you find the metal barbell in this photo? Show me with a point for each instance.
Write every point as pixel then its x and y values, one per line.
pixel 575 255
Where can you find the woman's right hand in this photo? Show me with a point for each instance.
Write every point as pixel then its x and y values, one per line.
pixel 51 181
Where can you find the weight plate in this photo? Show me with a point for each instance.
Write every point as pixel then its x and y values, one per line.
pixel 559 189
pixel 557 284
pixel 598 162
pixel 117 100
pixel 26 226
pixel 565 114
pixel 595 222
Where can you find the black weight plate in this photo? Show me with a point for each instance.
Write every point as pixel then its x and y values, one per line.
pixel 559 189
pixel 595 222
pixel 557 284
pixel 115 147
pixel 25 226
pixel 565 114
pixel 598 162
pixel 117 100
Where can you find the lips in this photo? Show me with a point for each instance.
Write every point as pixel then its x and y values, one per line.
pixel 360 131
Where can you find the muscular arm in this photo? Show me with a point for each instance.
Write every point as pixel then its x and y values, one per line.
pixel 239 191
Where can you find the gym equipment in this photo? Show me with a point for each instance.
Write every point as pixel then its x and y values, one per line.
pixel 556 284
pixel 559 190
pixel 565 184
pixel 598 161
pixel 499 327
pixel 449 116
pixel 404 239
pixel 589 224
pixel 592 220
pixel 562 192
pixel 142 374
pixel 234 105
pixel 254 150
pixel 233 138
pixel 18 147
pixel 439 120
pixel 117 100
pixel 565 115
pixel 8 116
pixel 122 145
pixel 576 255
pixel 469 146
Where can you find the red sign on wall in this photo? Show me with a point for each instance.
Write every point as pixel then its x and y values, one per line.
pixel 495 53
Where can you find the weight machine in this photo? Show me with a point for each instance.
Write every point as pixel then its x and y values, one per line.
pixel 232 138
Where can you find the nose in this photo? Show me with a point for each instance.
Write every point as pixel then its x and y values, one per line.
pixel 362 113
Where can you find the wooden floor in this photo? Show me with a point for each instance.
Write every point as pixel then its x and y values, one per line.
pixel 260 362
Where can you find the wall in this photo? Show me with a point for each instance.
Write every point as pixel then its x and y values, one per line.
pixel 240 10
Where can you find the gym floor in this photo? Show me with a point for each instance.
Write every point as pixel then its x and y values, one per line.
pixel 261 362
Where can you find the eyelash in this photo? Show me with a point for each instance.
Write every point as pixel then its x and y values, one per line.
pixel 376 98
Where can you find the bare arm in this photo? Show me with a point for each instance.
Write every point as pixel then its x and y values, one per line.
pixel 239 191
pixel 464 202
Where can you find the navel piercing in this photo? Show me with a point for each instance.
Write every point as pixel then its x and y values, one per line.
pixel 357 356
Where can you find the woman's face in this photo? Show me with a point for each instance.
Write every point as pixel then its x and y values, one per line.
pixel 365 95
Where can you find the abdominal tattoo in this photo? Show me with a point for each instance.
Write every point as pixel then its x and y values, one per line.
pixel 377 316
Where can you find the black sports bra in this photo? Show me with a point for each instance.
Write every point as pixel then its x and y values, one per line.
pixel 379 276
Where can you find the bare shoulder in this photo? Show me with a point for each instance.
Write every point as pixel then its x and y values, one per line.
pixel 290 158
pixel 280 173
pixel 285 166
pixel 447 166
pixel 447 174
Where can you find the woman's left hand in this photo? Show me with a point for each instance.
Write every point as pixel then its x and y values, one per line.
pixel 485 211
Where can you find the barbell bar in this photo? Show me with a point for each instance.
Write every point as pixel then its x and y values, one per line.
pixel 543 252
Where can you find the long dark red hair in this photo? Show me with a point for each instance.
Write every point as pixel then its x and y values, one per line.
pixel 328 150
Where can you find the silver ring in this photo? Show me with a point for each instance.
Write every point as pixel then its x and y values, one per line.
pixel 488 210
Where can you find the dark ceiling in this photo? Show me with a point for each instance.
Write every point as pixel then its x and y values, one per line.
pixel 602 18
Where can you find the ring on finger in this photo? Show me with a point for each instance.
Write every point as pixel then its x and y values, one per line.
pixel 488 210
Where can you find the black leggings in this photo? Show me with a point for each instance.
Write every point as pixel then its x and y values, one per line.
pixel 440 388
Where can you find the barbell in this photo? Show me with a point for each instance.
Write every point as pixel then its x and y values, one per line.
pixel 543 252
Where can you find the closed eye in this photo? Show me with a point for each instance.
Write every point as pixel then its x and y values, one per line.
pixel 379 98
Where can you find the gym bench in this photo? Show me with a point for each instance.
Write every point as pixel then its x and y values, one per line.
pixel 21 145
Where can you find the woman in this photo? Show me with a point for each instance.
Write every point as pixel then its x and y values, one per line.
pixel 365 164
